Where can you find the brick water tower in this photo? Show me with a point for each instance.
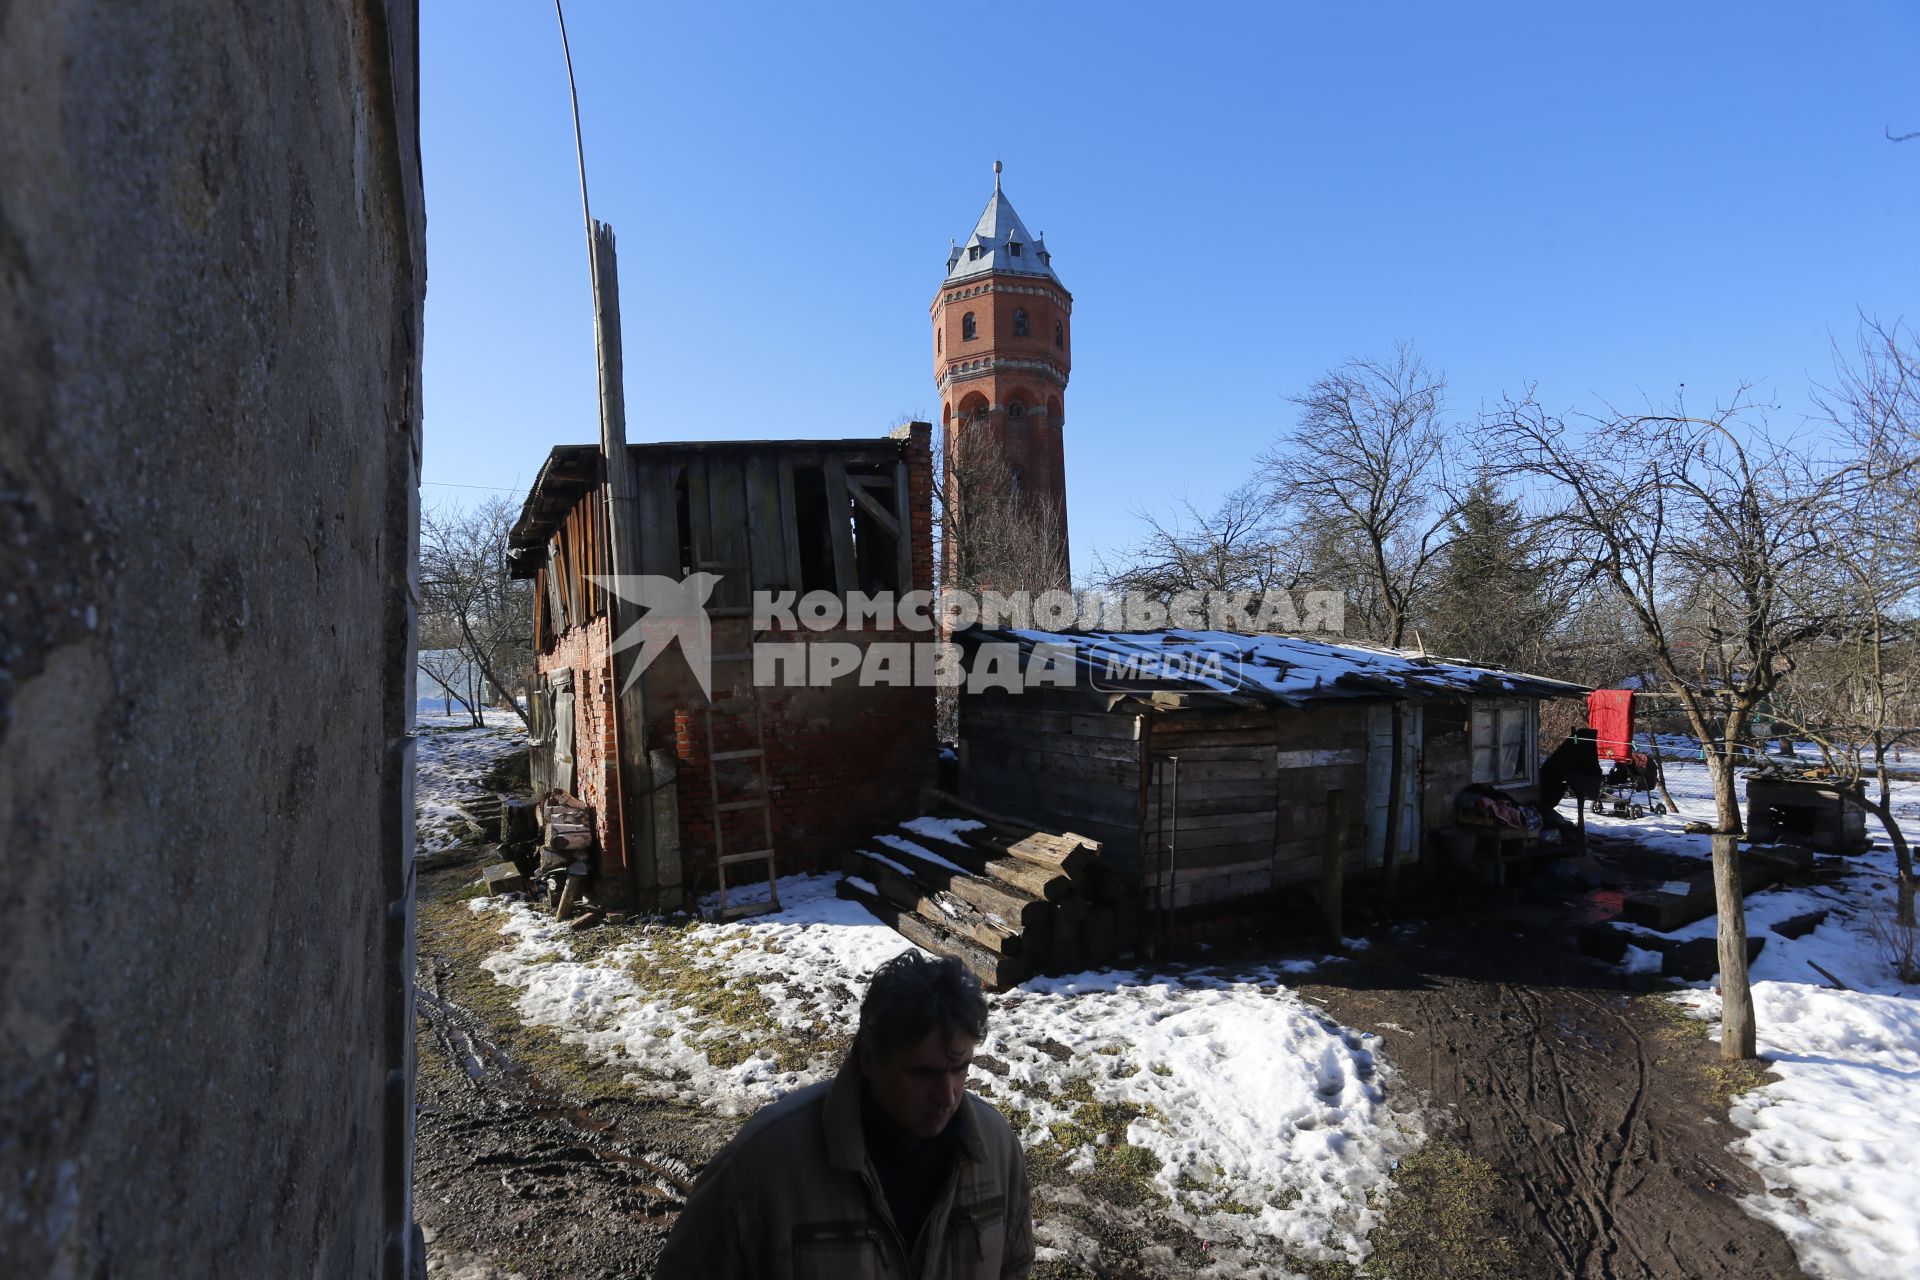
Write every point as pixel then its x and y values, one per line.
pixel 1002 348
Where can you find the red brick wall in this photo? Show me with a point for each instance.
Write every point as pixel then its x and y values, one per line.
pixel 583 651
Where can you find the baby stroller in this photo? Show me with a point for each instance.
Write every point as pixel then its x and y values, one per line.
pixel 1632 776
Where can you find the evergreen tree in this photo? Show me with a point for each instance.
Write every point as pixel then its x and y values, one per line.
pixel 1490 602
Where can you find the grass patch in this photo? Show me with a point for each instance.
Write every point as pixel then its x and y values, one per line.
pixel 1728 1080
pixel 733 1018
pixel 1121 1171
pixel 1673 1021
pixel 1437 1221
pixel 1060 1269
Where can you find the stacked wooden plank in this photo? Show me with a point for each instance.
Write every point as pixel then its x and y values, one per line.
pixel 1006 897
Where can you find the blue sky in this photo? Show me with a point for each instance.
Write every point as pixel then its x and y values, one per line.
pixel 1606 200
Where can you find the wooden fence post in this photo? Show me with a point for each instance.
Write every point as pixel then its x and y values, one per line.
pixel 1333 870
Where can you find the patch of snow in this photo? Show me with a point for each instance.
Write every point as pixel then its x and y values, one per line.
pixel 1641 960
pixel 1248 1095
pixel 947 829
pixel 450 754
pixel 905 845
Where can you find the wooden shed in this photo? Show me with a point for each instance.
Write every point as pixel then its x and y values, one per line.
pixel 735 778
pixel 1203 761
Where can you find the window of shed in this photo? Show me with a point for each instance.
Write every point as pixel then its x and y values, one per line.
pixel 1503 735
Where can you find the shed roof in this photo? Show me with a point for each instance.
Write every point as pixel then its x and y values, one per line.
pixel 1235 669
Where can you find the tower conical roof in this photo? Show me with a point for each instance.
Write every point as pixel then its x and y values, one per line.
pixel 1000 242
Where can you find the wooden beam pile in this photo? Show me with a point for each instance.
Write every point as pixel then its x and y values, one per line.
pixel 1009 899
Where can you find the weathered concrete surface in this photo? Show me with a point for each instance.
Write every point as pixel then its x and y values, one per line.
pixel 211 270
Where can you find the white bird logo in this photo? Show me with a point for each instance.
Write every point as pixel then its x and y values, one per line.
pixel 675 609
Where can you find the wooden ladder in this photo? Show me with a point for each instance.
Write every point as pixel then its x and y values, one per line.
pixel 757 753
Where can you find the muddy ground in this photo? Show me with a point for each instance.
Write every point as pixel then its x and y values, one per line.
pixel 1602 1112
pixel 1581 1125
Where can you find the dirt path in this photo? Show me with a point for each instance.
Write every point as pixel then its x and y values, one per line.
pixel 538 1177
pixel 1596 1107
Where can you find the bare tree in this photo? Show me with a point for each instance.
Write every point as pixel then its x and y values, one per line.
pixel 468 597
pixel 1235 547
pixel 1709 532
pixel 448 670
pixel 992 533
pixel 1857 698
pixel 1366 472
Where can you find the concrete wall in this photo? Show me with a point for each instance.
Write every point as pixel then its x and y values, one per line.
pixel 211 272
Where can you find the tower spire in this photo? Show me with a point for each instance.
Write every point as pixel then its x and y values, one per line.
pixel 996 176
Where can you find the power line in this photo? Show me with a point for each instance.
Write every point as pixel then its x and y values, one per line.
pixel 448 484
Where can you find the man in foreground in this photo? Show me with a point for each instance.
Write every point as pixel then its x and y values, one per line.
pixel 889 1169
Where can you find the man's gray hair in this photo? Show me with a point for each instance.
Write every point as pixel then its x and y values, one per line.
pixel 914 994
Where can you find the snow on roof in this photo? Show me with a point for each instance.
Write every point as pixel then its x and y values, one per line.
pixel 1285 669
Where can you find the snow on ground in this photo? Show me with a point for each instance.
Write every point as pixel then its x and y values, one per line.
pixel 1833 1138
pixel 449 758
pixel 1253 1113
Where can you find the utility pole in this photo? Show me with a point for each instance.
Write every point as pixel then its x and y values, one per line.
pixel 641 881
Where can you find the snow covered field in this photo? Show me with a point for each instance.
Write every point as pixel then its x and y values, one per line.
pixel 448 761
pixel 1260 1120
pixel 1834 1137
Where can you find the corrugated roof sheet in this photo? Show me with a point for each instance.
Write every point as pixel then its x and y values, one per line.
pixel 1285 670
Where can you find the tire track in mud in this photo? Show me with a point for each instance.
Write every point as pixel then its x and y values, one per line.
pixel 511 1169
pixel 1610 1148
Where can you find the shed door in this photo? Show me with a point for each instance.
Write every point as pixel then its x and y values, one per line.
pixel 1379 775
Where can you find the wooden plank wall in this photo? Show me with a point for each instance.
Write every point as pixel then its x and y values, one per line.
pixel 1252 813
pixel 1446 762
pixel 741 516
pixel 1051 760
pixel 565 595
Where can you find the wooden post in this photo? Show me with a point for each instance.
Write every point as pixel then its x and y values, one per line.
pixel 1333 871
pixel 649 887
pixel 1736 995
pixel 1396 808
pixel 640 877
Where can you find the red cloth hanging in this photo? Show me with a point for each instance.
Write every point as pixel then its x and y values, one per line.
pixel 1610 716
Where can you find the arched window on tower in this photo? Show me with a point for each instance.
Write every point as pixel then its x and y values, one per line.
pixel 1020 322
pixel 1019 481
pixel 1059 334
pixel 1016 411
pixel 968 329
pixel 939 340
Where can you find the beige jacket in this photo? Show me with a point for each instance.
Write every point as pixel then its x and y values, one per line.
pixel 793 1197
